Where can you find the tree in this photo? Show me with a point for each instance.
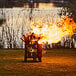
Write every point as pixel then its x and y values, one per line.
pixel 70 7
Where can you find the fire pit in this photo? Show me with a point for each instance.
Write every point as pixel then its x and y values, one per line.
pixel 32 48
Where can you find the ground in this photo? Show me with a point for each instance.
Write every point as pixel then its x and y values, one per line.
pixel 55 62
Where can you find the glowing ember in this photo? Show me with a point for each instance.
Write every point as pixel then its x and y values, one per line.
pixel 52 32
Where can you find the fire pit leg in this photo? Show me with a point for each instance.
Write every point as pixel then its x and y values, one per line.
pixel 25 57
pixel 39 51
pixel 39 58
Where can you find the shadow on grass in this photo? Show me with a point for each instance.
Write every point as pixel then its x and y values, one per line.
pixel 3 62
pixel 30 61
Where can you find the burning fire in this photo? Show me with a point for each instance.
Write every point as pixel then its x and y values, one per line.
pixel 52 32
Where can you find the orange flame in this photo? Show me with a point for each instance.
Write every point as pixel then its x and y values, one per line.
pixel 52 32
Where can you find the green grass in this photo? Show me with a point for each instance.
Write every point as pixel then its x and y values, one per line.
pixel 55 62
pixel 61 52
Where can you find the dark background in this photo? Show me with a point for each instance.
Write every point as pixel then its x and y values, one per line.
pixel 21 3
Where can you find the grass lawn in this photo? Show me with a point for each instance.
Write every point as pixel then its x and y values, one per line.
pixel 55 62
